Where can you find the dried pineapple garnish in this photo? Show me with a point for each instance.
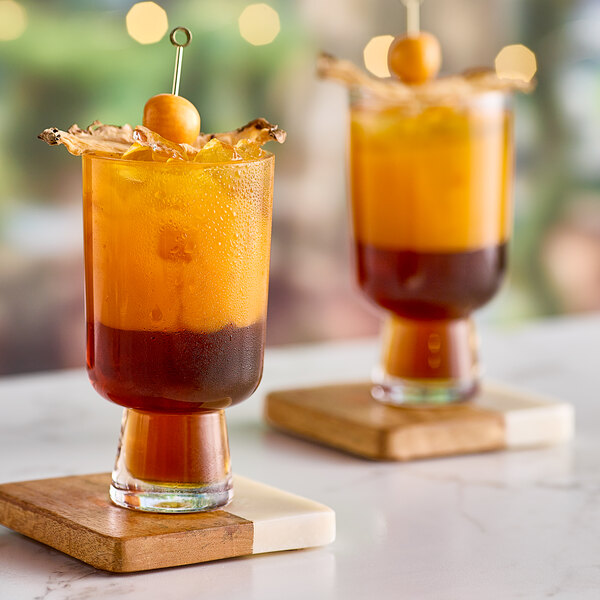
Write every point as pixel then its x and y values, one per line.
pixel 103 139
pixel 129 143
pixel 442 89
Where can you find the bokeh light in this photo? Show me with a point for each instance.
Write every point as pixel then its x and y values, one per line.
pixel 13 20
pixel 375 55
pixel 259 24
pixel 516 62
pixel 147 22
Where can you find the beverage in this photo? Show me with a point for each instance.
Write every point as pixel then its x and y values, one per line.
pixel 177 261
pixel 177 235
pixel 431 170
pixel 431 205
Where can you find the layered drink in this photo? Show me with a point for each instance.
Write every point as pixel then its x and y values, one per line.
pixel 177 234
pixel 431 194
pixel 430 171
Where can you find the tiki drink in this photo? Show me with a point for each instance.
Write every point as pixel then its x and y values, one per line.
pixel 177 231
pixel 430 170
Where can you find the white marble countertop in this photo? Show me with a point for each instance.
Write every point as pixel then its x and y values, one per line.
pixel 496 526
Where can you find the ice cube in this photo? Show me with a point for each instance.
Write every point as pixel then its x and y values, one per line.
pixel 249 150
pixel 216 151
pixel 138 152
pixel 162 149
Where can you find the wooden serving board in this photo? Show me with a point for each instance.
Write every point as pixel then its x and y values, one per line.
pixel 75 515
pixel 346 417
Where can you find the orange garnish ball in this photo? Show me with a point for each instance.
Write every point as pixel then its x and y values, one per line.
pixel 172 117
pixel 415 58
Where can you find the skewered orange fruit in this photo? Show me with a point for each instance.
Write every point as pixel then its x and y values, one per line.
pixel 415 58
pixel 172 117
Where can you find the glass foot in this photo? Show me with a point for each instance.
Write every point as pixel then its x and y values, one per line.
pixel 427 362
pixel 172 463
pixel 171 499
pixel 420 393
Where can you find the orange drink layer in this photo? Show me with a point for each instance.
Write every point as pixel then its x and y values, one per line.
pixel 432 179
pixel 177 261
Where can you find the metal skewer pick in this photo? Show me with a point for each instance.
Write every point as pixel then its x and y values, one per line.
pixel 179 55
pixel 412 16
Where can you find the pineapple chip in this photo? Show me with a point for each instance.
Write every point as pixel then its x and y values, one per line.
pixel 141 143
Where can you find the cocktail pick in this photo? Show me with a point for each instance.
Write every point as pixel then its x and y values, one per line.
pixel 170 115
pixel 415 57
pixel 179 55
pixel 413 16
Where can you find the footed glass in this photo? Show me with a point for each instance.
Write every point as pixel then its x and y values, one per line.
pixel 176 265
pixel 431 197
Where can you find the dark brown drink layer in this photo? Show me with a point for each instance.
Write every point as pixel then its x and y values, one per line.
pixel 430 285
pixel 180 371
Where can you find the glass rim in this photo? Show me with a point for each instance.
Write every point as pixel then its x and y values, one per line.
pixel 358 93
pixel 178 163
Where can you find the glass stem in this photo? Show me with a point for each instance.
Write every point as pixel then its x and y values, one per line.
pixel 166 459
pixel 427 361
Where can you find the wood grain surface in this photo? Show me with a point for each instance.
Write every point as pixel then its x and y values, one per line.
pixel 75 515
pixel 346 417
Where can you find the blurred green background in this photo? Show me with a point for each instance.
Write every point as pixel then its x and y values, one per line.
pixel 73 61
